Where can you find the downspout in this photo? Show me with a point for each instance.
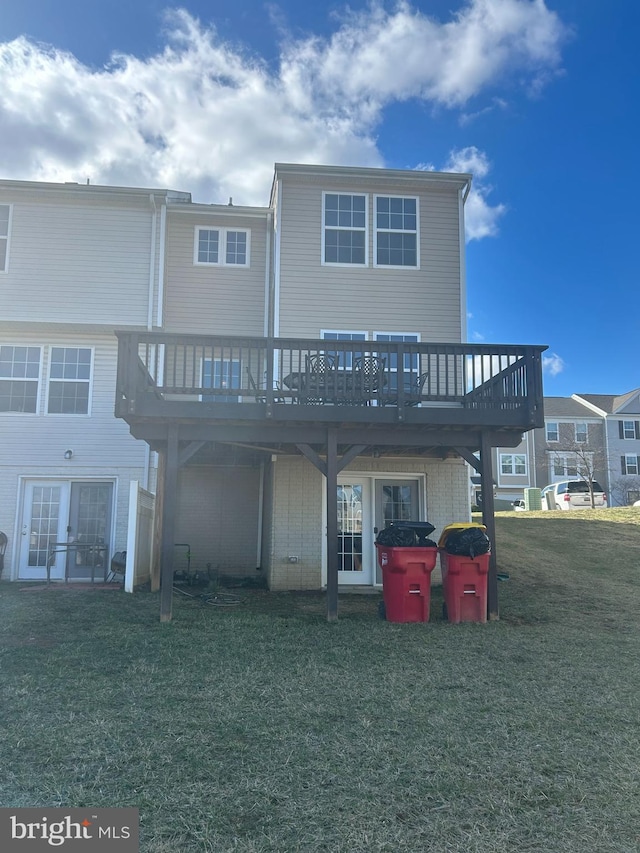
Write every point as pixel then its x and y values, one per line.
pixel 152 261
pixel 267 277
pixel 161 262
pixel 463 194
pixel 275 328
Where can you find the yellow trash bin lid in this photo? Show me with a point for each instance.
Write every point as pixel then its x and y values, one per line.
pixel 458 525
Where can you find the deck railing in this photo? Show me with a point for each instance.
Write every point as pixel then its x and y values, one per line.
pixel 301 372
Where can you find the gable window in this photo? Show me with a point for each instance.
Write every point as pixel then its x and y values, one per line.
pixel 19 379
pixel 396 233
pixel 222 247
pixel 344 229
pixel 69 381
pixel 221 374
pixel 5 221
pixel 552 431
pixel 513 463
pixel 581 433
pixel 629 429
pixel 630 464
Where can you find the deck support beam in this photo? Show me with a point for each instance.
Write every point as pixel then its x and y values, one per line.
pixel 489 521
pixel 332 524
pixel 169 507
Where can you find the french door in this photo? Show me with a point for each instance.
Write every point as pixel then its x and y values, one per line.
pixel 365 505
pixel 60 511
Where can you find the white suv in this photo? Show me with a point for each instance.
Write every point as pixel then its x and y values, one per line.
pixel 572 494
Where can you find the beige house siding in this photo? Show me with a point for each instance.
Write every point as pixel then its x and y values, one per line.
pixel 297 527
pixel 77 260
pixel 214 299
pixel 314 297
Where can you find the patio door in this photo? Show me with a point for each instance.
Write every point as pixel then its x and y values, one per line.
pixel 395 500
pixel 355 564
pixel 63 511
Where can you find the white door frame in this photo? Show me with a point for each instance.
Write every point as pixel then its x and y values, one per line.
pixel 369 478
pixel 25 482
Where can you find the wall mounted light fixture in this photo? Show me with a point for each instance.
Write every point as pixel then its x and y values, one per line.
pixel 68 454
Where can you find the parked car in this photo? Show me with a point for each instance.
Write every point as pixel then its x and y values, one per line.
pixel 572 494
pixel 636 503
pixel 519 506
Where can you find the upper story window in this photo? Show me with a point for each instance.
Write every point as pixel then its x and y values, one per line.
pixel 552 431
pixel 69 381
pixel 344 231
pixel 513 463
pixel 221 373
pixel 222 247
pixel 396 232
pixel 19 379
pixel 630 464
pixel 5 221
pixel 629 429
pixel 581 433
pixel 344 360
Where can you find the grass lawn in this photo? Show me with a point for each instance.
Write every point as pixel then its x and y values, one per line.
pixel 262 727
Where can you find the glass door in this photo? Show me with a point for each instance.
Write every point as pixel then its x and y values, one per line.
pixel 89 528
pixel 44 522
pixel 396 500
pixel 354 527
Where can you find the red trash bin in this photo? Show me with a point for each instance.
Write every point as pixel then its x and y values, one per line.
pixel 464 581
pixel 406 582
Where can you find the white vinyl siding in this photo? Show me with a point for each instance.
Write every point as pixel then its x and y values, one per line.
pixel 396 231
pixel 89 262
pixel 5 228
pixel 19 379
pixel 313 296
pixel 344 235
pixel 222 247
pixel 69 388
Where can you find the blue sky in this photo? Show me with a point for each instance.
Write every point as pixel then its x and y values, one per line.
pixel 537 99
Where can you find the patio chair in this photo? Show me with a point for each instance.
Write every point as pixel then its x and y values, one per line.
pixel 368 372
pixel 259 392
pixel 320 378
pixel 412 394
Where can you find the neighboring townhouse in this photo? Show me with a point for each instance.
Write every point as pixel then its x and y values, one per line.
pixel 75 262
pixel 281 454
pixel 620 415
pixel 572 433
pixel 300 369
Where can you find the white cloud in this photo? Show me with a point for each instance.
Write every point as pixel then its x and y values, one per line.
pixel 481 219
pixel 205 116
pixel 552 364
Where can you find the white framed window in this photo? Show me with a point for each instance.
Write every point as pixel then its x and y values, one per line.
pixel 552 431
pixel 221 373
pixel 630 464
pixel 344 229
pixel 69 387
pixel 19 378
pixel 513 463
pixel 629 429
pixel 222 247
pixel 396 232
pixel 411 360
pixel 5 233
pixel 582 433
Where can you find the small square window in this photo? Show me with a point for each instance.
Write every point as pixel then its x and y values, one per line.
pixel 552 431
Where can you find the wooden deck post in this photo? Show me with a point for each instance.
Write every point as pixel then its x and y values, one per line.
pixel 169 506
pixel 489 521
pixel 332 524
